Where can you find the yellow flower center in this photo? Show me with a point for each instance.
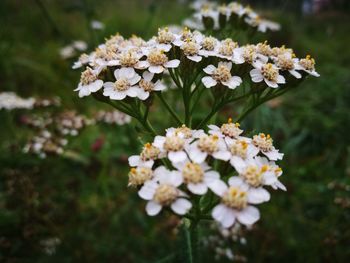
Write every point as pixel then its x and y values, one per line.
pixel 208 144
pixel 264 48
pixel 253 175
pixel 269 72
pixel 174 144
pixel 149 152
pixel 285 63
pixel 227 47
pixel 235 198
pixel 231 129
pixel 263 142
pixel 192 173
pixel 190 48
pixel 221 73
pixel 165 194
pixel 164 36
pixel 186 132
pixel 157 57
pixel 88 76
pixel 128 59
pixel 208 43
pixel 239 148
pixel 138 176
pixel 308 63
pixel 121 84
pixel 146 85
pixel 249 54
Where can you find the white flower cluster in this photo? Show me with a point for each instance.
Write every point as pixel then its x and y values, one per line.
pixel 113 117
pixel 248 167
pixel 210 15
pixel 10 101
pixel 133 67
pixel 73 49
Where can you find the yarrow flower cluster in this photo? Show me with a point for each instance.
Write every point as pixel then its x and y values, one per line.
pixel 174 168
pixel 132 68
pixel 54 130
pixel 211 15
pixel 11 101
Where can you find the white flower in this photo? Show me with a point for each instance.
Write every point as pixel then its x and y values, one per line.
pixel 234 205
pixel 187 133
pixel 163 191
pixel 222 75
pixel 84 59
pixel 208 145
pixel 173 144
pixel 226 49
pixel 268 73
pixel 157 61
pixel 273 168
pixel 227 130
pixel 163 40
pixel 241 150
pixel 265 145
pixel 147 86
pixel 89 83
pixel 255 175
pixel 191 50
pixel 308 65
pixel 197 176
pixel 80 45
pixel 149 154
pixel 286 62
pixel 125 84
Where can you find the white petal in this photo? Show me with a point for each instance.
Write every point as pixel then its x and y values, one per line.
pixel 156 69
pixel 134 160
pixel 222 155
pixel 127 72
pixel 172 63
pixel 281 79
pixel 147 190
pixel 159 86
pixel 249 215
pixel 236 181
pixel 142 95
pixel 295 73
pixel 136 78
pixel 258 195
pixel 218 187
pixel 159 141
pixel 209 82
pixel 109 85
pixel 148 76
pixel 224 215
pixel 209 69
pixel 132 91
pixel 181 206
pixel 153 208
pixel 274 155
pixel 176 157
pixel 256 75
pixel 116 95
pixel 197 155
pixel 233 83
pixel 199 189
pixel 195 58
pixel 271 84
pixel 238 163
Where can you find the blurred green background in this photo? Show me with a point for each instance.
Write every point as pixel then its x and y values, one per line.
pixel 84 212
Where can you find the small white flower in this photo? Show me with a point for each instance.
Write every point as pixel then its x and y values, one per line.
pixel 206 145
pixel 234 204
pixel 89 83
pixel 147 86
pixel 125 84
pixel 191 50
pixel 308 65
pixel 157 61
pixel 197 176
pixel 149 154
pixel 222 75
pixel 163 191
pixel 265 145
pixel 266 72
pixel 227 130
pixel 286 62
pixel 241 150
pixel 275 169
pixel 173 144
pixel 97 25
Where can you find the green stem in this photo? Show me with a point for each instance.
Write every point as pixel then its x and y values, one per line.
pixel 169 108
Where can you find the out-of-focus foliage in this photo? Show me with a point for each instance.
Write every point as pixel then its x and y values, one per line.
pixel 61 209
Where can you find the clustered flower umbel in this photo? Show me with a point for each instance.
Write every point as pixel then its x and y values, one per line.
pixel 53 130
pixel 136 65
pixel 11 101
pixel 211 15
pixel 191 153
